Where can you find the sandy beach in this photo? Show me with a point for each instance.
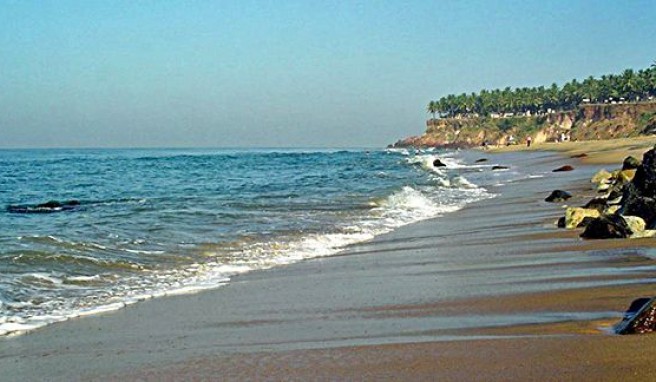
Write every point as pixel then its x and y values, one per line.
pixel 610 151
pixel 494 291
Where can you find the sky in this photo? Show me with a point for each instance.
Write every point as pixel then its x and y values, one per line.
pixel 286 73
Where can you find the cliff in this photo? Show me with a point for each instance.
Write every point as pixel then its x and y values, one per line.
pixel 598 121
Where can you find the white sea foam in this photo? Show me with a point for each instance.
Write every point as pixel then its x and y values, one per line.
pixel 461 181
pixel 42 278
pixel 83 278
pixel 401 151
pixel 449 192
pixel 143 252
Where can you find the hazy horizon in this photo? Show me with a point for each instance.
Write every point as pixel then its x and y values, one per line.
pixel 286 74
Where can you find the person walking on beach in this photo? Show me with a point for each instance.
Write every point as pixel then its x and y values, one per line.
pixel 528 142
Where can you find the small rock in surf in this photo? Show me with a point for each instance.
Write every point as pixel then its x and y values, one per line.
pixel 564 168
pixel 438 163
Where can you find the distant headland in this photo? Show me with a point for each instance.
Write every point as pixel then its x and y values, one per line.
pixel 612 106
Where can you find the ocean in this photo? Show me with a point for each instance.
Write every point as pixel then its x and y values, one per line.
pixel 84 231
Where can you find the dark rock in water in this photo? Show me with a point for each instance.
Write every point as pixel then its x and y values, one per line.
pixel 639 318
pixel 438 163
pixel 44 208
pixel 481 160
pixel 561 222
pixel 607 227
pixel 558 196
pixel 494 168
pixel 630 163
pixel 582 155
pixel 51 204
pixel 599 204
pixel 564 168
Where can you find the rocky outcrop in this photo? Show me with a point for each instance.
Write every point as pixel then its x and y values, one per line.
pixel 614 121
pixel 639 195
pixel 636 204
pixel 607 227
pixel 574 216
pixel 602 176
pixel 588 122
pixel 630 163
pixel 628 208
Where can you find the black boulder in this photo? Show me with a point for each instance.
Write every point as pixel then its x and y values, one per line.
pixel 558 196
pixel 607 227
pixel 639 318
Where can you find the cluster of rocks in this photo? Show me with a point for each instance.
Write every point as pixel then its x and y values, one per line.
pixel 627 208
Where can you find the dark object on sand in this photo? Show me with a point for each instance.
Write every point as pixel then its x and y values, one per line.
pixel 581 155
pixel 630 163
pixel 44 208
pixel 607 227
pixel 640 318
pixel 558 196
pixel 494 168
pixel 564 168
pixel 481 160
pixel 438 163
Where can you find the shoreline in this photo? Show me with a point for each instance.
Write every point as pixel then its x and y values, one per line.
pixel 472 289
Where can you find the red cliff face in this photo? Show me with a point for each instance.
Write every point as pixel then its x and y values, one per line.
pixel 588 122
pixel 615 121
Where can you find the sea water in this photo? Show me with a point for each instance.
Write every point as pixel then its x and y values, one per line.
pixel 150 223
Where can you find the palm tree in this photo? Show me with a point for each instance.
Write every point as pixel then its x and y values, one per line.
pixel 630 84
pixel 432 108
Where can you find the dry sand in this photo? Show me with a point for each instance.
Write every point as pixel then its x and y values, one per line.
pixel 611 151
pixel 491 292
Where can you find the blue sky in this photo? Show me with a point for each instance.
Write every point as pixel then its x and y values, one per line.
pixel 286 73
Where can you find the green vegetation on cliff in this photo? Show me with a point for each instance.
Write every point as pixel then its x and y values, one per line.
pixel 612 106
pixel 587 122
pixel 629 86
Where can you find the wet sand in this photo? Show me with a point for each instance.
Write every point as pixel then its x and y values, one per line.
pixel 491 292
